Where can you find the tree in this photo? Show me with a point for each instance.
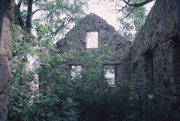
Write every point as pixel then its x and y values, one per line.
pixel 24 18
pixel 5 55
pixel 133 20
pixel 2 11
pixel 133 15
pixel 57 13
pixel 137 3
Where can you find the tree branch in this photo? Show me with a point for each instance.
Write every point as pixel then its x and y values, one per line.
pixel 19 3
pixel 64 24
pixel 38 10
pixel 137 4
pixel 123 7
pixel 18 16
pixel 29 16
pixel 133 6
pixel 129 13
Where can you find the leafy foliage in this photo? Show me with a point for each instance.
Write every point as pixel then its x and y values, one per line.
pixel 61 98
pixel 58 14
pixel 58 97
pixel 133 20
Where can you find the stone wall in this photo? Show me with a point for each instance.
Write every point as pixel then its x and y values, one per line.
pixel 118 46
pixel 153 59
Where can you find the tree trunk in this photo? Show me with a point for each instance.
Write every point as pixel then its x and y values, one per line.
pixel 5 57
pixel 18 16
pixel 2 11
pixel 29 16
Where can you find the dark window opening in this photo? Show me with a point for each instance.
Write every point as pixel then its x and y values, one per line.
pixel 110 73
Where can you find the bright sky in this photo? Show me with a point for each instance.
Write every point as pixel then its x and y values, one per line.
pixel 106 10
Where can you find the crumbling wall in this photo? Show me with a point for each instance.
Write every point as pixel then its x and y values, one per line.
pixel 153 59
pixel 119 47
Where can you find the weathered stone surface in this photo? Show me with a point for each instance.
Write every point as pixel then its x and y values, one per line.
pixel 152 61
pixel 119 46
pixel 154 54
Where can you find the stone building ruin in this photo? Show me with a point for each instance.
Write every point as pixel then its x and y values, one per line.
pixel 104 35
pixel 152 60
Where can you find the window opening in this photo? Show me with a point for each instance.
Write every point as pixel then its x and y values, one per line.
pixel 92 40
pixel 110 74
pixel 76 71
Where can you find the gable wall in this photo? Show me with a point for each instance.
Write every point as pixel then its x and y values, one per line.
pixel 118 46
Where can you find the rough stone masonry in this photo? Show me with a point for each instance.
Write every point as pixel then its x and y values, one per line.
pixel 107 36
pixel 152 61
pixel 156 60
